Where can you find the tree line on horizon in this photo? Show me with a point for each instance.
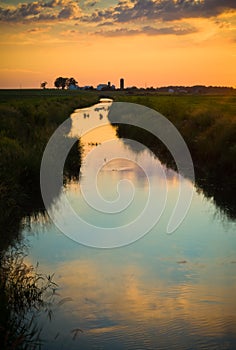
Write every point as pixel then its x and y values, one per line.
pixel 65 83
pixel 61 83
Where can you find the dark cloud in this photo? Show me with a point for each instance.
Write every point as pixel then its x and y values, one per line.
pixel 71 10
pixel 167 10
pixel 51 4
pixel 148 30
pixel 21 11
pixel 100 15
pixel 125 11
pixel 41 11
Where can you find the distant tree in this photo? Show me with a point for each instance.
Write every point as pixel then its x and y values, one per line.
pixel 60 82
pixel 71 81
pixel 43 85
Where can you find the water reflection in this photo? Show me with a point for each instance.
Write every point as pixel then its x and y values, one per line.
pixel 163 292
pixel 127 296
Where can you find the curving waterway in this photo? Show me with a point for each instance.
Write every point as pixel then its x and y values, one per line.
pixel 164 291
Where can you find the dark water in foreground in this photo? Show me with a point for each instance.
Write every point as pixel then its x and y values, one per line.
pixel 162 292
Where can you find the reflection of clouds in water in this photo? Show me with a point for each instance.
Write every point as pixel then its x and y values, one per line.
pixel 126 294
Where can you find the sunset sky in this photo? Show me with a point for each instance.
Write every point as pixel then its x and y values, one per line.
pixel 147 42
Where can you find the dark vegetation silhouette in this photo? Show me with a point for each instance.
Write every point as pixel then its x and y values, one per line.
pixel 62 83
pixel 24 295
pixel 43 85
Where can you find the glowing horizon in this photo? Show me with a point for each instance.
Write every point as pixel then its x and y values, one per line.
pixel 148 43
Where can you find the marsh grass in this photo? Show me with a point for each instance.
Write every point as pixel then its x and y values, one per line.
pixel 24 294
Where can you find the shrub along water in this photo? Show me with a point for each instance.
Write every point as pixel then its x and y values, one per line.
pixel 26 295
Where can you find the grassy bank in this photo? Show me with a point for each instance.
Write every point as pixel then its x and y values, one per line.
pixel 208 125
pixel 27 120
